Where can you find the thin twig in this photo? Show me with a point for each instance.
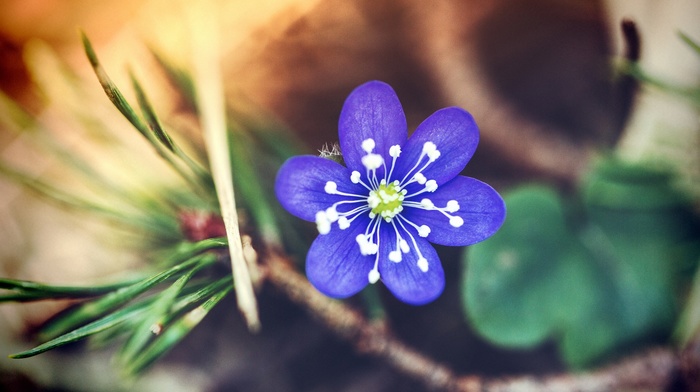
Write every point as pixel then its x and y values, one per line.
pixel 652 370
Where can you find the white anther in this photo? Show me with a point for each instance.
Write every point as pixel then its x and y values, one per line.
pixel 372 248
pixel 431 186
pixel 395 256
pixel 368 145
pixel 423 230
pixel 452 206
pixel 373 276
pixel 361 240
pixel 343 223
pixel 331 214
pixel 456 221
pixel 322 223
pixel 331 188
pixel 404 246
pixel 433 155
pixel 355 177
pixel 366 246
pixel 372 161
pixel 373 200
pixel 427 204
pixel 429 147
pixel 420 178
pixel 395 151
pixel 423 264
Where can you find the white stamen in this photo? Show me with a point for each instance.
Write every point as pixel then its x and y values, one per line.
pixel 355 177
pixel 431 186
pixel 427 204
pixel 420 178
pixel 433 155
pixel 429 147
pixel 331 187
pixel 322 223
pixel 395 256
pixel 404 246
pixel 362 241
pixel 373 200
pixel 373 276
pixel 395 151
pixel 372 161
pixel 452 206
pixel 368 145
pixel 423 264
pixel 423 231
pixel 343 223
pixel 331 214
pixel 367 247
pixel 456 221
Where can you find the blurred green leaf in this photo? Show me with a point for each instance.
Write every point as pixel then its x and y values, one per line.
pixel 157 312
pixel 105 323
pixel 174 333
pixel 160 141
pixel 517 289
pixel 38 291
pixel 689 324
pixel 690 42
pixel 594 277
pixel 113 300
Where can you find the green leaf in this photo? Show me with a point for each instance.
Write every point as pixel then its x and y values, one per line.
pixel 160 141
pixel 150 115
pixel 690 42
pixel 111 89
pixel 103 324
pixel 509 278
pixel 157 312
pixel 113 300
pixel 594 277
pixel 248 183
pixel 26 290
pixel 174 333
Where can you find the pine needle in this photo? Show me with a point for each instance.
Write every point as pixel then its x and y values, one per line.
pixel 211 106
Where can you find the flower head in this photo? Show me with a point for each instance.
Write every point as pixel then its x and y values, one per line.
pixel 378 216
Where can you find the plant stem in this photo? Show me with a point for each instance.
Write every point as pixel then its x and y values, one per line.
pixel 648 371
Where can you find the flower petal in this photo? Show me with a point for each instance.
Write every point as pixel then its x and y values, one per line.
pixel 373 111
pixel 480 206
pixel 456 136
pixel 300 185
pixel 334 264
pixel 404 278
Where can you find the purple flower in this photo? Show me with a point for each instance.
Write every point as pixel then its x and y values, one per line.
pixel 377 217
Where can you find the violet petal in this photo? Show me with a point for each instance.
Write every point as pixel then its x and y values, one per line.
pixel 480 206
pixel 456 136
pixel 371 111
pixel 334 264
pixel 404 278
pixel 300 185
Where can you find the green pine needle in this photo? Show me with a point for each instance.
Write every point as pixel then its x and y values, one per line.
pixel 174 333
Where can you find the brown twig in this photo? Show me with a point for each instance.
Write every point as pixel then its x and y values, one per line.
pixel 652 370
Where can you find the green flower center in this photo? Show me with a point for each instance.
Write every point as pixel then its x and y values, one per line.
pixel 386 201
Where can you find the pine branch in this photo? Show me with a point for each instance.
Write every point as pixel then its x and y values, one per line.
pixel 652 370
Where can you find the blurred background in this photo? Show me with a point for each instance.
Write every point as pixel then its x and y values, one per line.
pixel 539 77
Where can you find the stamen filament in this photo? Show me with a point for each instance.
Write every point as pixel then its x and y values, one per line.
pixel 422 261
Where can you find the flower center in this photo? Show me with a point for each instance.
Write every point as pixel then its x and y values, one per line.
pixel 386 201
